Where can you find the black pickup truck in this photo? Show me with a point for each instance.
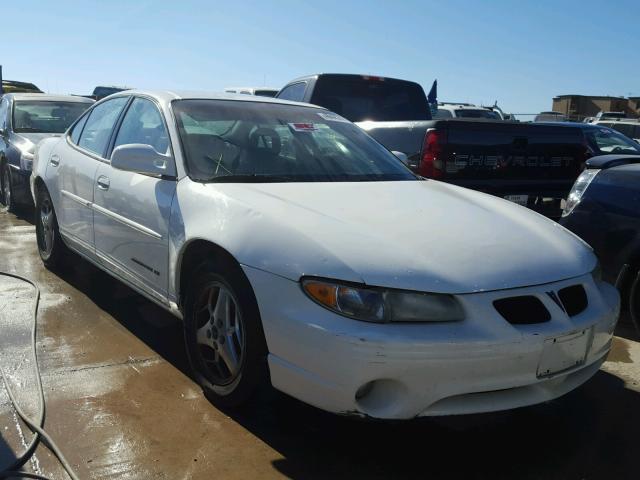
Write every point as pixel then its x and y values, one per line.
pixel 532 164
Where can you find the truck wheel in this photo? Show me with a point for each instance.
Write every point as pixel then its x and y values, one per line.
pixel 50 245
pixel 7 193
pixel 223 334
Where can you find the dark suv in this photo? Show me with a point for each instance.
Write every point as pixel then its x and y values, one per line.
pixel 25 119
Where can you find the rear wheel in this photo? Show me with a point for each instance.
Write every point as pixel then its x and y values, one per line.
pixel 50 245
pixel 7 191
pixel 223 334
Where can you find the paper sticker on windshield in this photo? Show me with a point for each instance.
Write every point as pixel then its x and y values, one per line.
pixel 332 117
pixel 302 127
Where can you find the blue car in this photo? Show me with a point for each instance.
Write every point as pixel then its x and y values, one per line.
pixel 25 120
pixel 603 209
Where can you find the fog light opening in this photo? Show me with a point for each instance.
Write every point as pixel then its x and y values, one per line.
pixel 364 390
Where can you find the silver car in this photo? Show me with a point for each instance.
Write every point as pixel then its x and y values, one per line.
pixel 25 120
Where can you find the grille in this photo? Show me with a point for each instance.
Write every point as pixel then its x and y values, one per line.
pixel 522 310
pixel 574 299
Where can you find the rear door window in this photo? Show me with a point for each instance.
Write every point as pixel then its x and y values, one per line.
pixel 97 131
pixel 77 128
pixel 362 98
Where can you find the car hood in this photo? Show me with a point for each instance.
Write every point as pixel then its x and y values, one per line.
pixel 416 235
pixel 26 141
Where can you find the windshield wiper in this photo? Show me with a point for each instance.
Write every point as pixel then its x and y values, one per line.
pixel 29 129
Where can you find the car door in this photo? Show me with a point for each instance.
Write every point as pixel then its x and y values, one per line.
pixel 74 162
pixel 131 221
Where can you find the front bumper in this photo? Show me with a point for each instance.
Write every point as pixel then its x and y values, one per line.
pixel 20 185
pixel 399 371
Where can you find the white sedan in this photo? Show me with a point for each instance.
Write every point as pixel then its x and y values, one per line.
pixel 298 249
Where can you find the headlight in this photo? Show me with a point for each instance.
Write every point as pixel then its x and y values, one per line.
pixel 26 160
pixel 578 190
pixel 381 305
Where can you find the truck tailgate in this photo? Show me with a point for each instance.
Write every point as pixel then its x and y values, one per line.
pixel 512 158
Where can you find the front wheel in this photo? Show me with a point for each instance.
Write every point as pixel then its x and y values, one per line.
pixel 50 245
pixel 7 190
pixel 223 334
pixel 634 302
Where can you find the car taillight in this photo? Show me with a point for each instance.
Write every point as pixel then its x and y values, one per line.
pixel 430 162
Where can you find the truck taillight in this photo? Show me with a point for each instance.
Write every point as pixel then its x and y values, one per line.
pixel 430 162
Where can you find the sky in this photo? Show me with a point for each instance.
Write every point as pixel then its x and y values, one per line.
pixel 520 53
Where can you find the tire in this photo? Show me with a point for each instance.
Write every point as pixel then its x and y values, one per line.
pixel 51 247
pixel 634 302
pixel 7 190
pixel 226 346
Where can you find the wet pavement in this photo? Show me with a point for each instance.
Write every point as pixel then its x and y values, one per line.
pixel 121 403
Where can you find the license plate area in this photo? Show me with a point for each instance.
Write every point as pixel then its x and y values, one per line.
pixel 519 199
pixel 564 353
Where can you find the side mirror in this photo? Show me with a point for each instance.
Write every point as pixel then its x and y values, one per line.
pixel 144 159
pixel 402 156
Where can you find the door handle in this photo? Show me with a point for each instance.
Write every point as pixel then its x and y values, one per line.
pixel 54 160
pixel 103 182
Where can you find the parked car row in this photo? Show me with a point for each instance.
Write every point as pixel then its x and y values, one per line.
pixel 532 164
pixel 297 249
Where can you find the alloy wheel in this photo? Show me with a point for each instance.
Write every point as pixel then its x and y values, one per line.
pixel 220 334
pixel 6 186
pixel 46 226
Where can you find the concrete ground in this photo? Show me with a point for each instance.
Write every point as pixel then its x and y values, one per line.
pixel 121 403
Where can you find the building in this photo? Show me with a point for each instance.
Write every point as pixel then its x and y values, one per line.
pixel 577 107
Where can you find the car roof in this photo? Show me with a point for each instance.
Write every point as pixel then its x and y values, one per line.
pixel 45 97
pixel 585 126
pixel 463 107
pixel 253 89
pixel 617 121
pixel 359 75
pixel 168 96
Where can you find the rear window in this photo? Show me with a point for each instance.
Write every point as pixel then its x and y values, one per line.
pixel 266 93
pixel 45 117
pixel 442 113
pixel 368 98
pixel 479 113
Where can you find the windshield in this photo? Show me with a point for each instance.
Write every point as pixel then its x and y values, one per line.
pixel 374 99
pixel 45 117
pixel 470 113
pixel 236 141
pixel 610 141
